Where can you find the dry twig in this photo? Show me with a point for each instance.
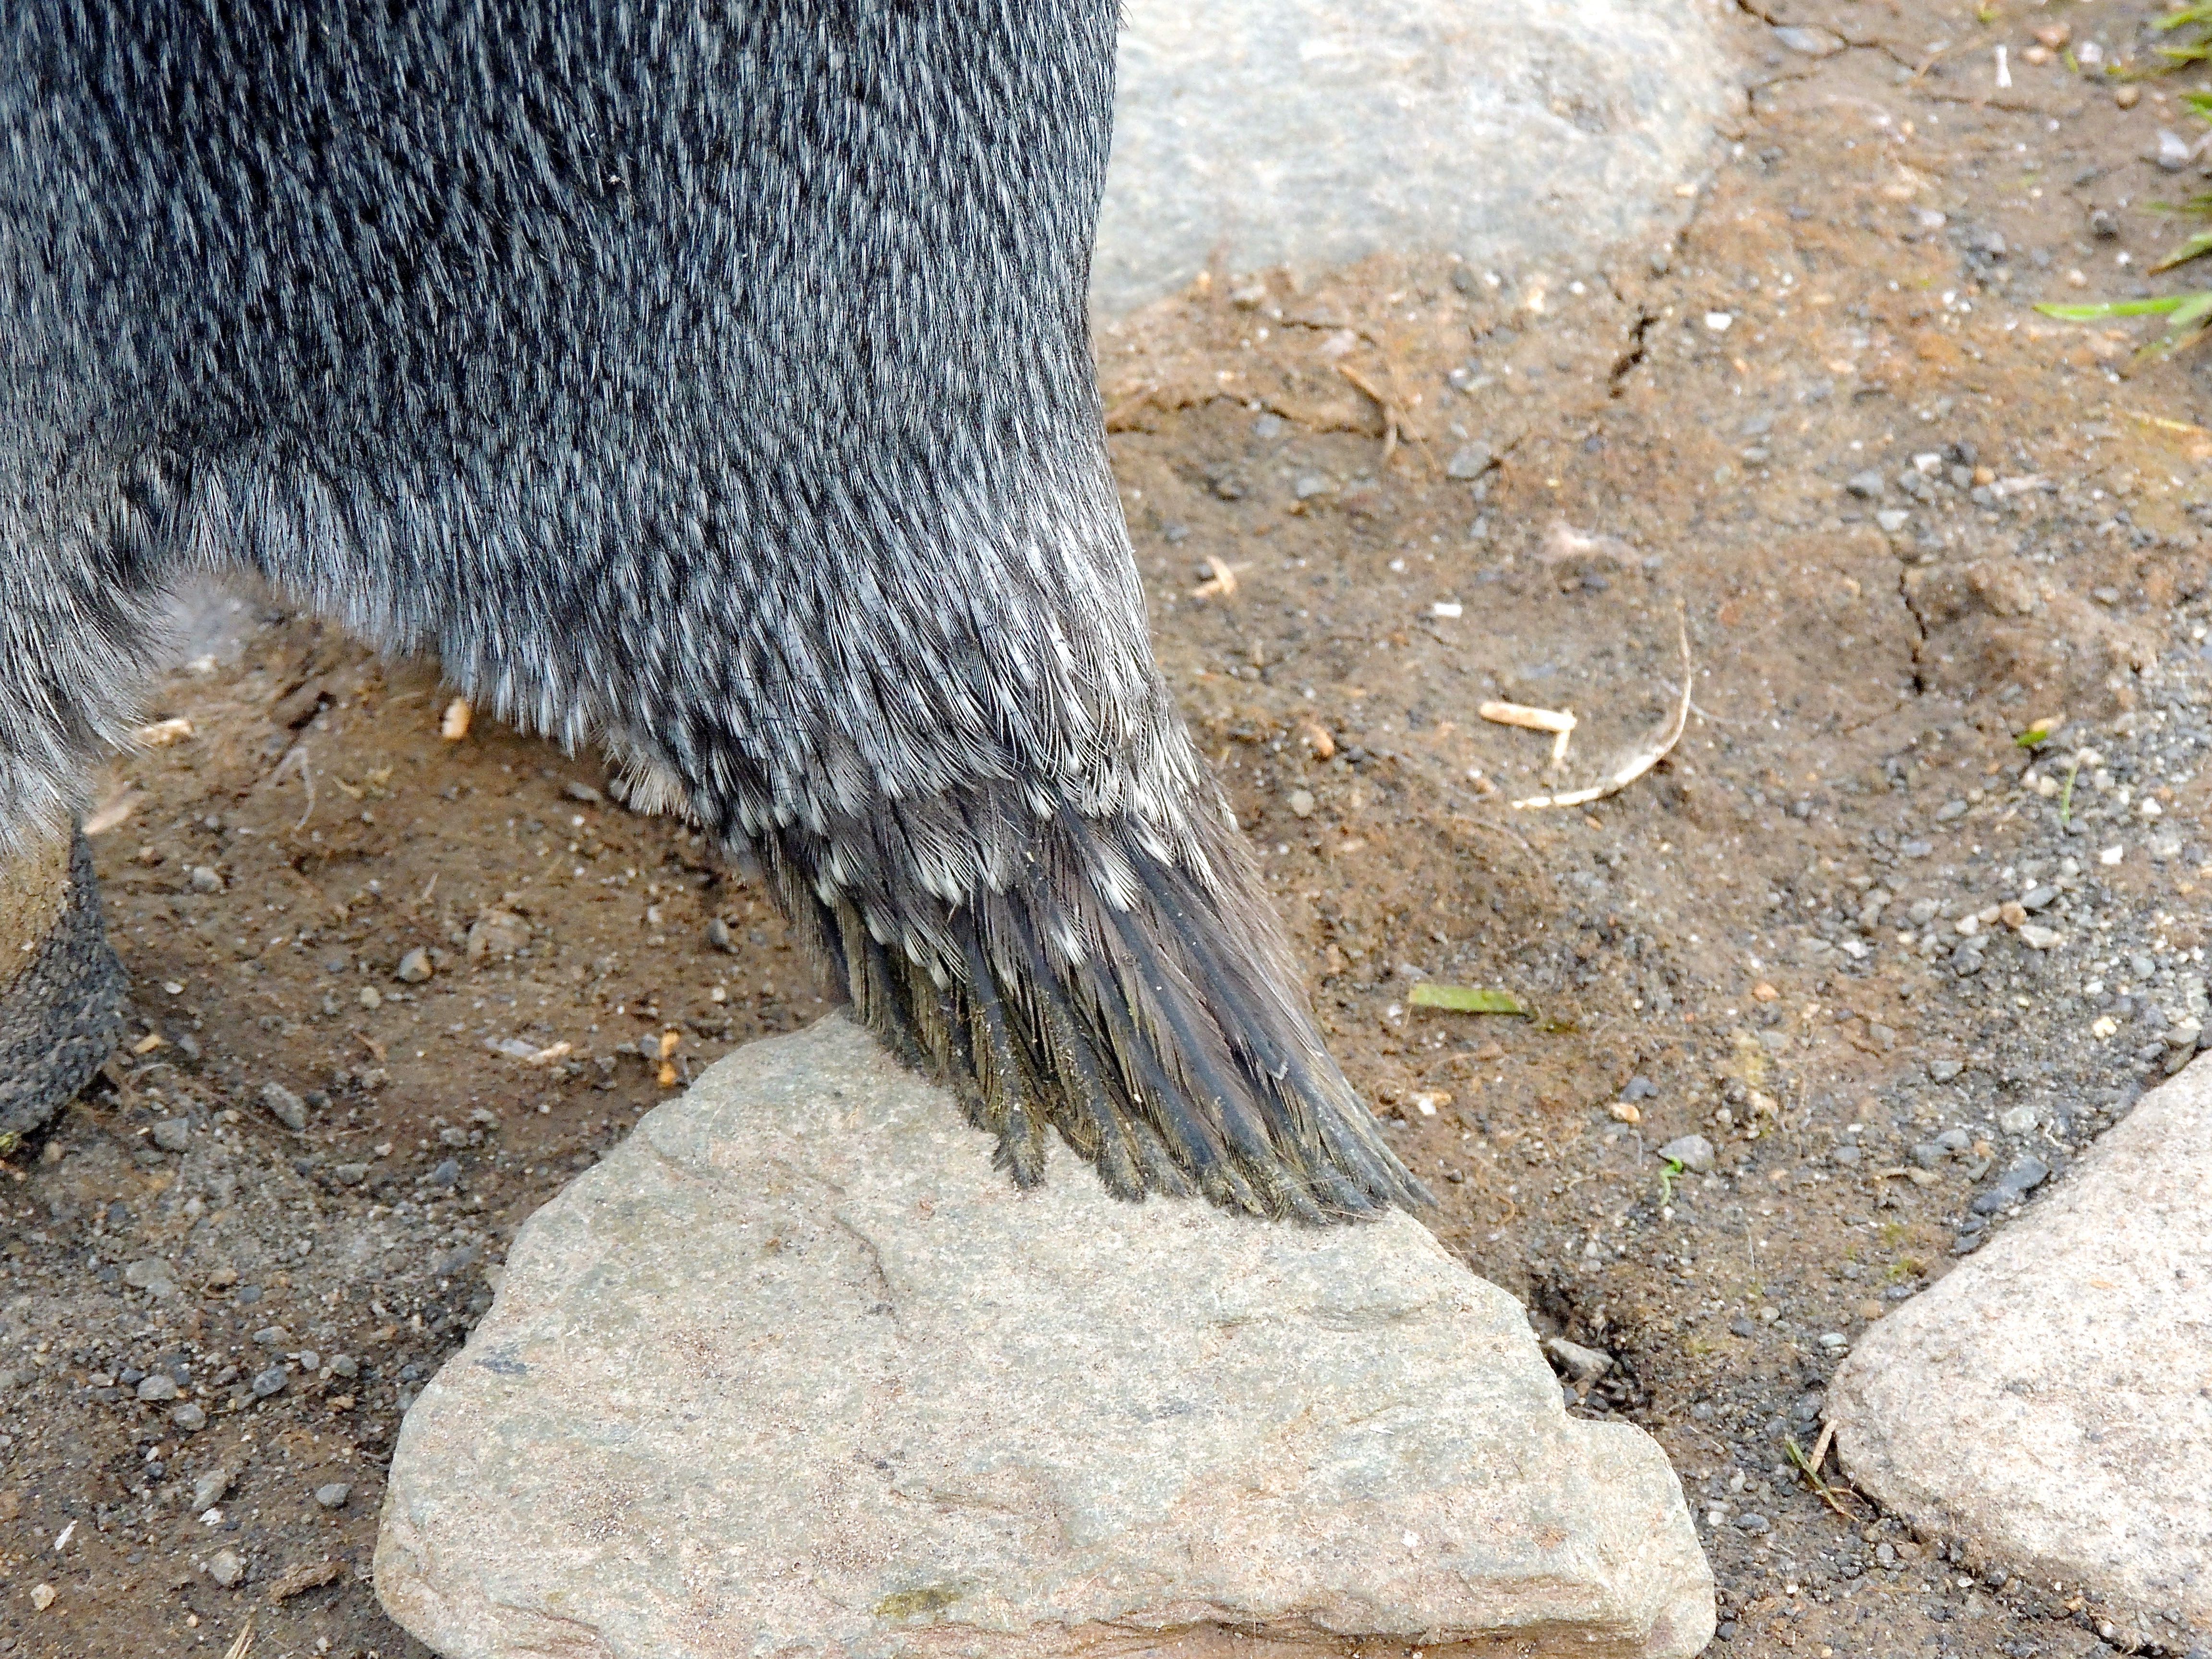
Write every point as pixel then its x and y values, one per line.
pixel 1655 748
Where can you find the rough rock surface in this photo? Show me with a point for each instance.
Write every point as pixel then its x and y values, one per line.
pixel 2048 1403
pixel 1313 132
pixel 795 1371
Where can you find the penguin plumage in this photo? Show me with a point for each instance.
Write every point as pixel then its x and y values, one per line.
pixel 710 382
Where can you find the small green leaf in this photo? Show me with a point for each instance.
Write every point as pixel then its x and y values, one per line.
pixel 2099 310
pixel 2196 247
pixel 2032 736
pixel 1466 999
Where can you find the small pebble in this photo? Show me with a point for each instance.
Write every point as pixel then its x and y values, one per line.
pixel 1942 1071
pixel 269 1382
pixel 414 967
pixel 1302 803
pixel 370 996
pixel 1468 461
pixel 173 1134
pixel 333 1496
pixel 153 1273
pixel 208 1490
pixel 42 1596
pixel 225 1567
pixel 189 1418
pixel 158 1387
pixel 1583 1365
pixel 1692 1152
pixel 287 1108
pixel 205 880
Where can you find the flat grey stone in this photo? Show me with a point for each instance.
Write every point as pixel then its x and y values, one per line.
pixel 794 1370
pixel 1316 132
pixel 2049 1402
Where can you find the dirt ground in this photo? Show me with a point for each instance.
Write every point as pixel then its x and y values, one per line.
pixel 1429 485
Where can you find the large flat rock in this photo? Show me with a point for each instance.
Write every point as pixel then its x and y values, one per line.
pixel 2048 1403
pixel 1310 133
pixel 796 1371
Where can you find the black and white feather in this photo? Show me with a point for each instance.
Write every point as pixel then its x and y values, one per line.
pixel 711 381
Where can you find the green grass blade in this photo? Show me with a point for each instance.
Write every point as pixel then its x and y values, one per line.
pixel 1466 999
pixel 2196 247
pixel 2099 310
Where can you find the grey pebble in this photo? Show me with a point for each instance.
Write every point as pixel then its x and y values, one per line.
pixel 447 1174
pixel 205 880
pixel 189 1418
pixel 2038 898
pixel 333 1496
pixel 1813 43
pixel 158 1387
pixel 1892 519
pixel 208 1490
pixel 1752 1521
pixel 1955 1141
pixel 1928 1155
pixel 269 1382
pixel 1868 485
pixel 225 1567
pixel 153 1273
pixel 1640 1088
pixel 1583 1365
pixel 1915 849
pixel 718 935
pixel 343 1364
pixel 1468 461
pixel 454 1262
pixel 1847 1155
pixel 1944 1070
pixel 414 967
pixel 2017 1120
pixel 287 1108
pixel 1306 485
pixel 173 1134
pixel 272 1336
pixel 350 1175
pixel 1692 1152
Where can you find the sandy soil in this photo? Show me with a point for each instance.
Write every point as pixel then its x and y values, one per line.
pixel 1759 942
